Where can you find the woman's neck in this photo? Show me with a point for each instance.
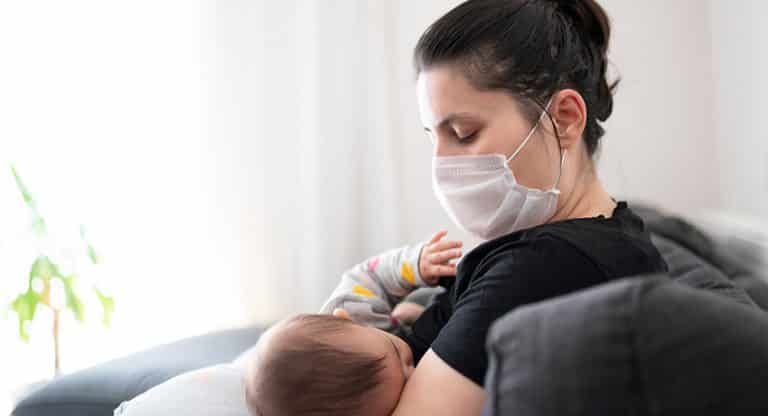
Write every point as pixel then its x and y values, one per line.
pixel 586 199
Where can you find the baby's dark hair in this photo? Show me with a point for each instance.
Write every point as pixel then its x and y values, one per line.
pixel 529 48
pixel 304 374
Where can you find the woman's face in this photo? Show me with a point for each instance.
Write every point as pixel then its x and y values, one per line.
pixel 461 120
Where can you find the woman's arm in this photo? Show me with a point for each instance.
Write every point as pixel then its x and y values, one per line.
pixel 449 378
pixel 435 388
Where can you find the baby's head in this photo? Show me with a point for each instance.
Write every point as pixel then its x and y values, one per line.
pixel 314 364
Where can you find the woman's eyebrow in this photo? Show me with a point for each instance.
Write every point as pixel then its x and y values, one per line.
pixel 449 118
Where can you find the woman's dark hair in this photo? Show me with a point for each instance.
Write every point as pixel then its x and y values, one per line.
pixel 531 49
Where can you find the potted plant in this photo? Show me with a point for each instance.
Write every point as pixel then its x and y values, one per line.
pixel 49 286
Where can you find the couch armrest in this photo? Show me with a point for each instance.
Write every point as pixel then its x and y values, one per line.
pixel 98 390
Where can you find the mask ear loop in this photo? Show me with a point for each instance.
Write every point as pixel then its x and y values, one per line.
pixel 563 152
pixel 530 133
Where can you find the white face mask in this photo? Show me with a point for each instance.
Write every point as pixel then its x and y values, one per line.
pixel 482 196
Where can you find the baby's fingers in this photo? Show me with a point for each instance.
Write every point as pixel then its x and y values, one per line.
pixel 445 245
pixel 341 313
pixel 442 269
pixel 444 256
pixel 437 236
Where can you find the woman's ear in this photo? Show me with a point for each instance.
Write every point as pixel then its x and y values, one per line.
pixel 341 313
pixel 569 112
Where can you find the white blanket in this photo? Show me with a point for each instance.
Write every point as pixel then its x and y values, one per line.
pixel 215 390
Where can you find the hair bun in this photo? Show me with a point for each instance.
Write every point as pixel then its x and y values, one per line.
pixel 590 19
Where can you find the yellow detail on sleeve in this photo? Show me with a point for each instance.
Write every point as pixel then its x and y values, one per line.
pixel 407 273
pixel 360 290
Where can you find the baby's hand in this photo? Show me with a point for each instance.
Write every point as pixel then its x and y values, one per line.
pixel 435 257
pixel 407 312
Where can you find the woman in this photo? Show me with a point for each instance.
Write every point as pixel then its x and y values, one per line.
pixel 512 93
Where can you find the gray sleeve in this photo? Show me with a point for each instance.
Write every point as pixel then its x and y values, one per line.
pixel 369 290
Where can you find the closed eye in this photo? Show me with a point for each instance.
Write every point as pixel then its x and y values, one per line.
pixel 397 350
pixel 467 139
pixel 399 357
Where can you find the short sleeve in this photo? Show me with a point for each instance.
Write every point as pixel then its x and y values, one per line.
pixel 420 335
pixel 510 279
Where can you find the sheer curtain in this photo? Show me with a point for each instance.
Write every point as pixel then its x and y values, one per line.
pixel 229 159
pixel 327 159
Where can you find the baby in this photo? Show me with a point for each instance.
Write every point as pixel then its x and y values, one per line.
pixel 343 361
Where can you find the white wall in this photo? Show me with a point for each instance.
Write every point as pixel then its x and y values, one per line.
pixel 660 142
pixel 687 131
pixel 740 62
pixel 739 38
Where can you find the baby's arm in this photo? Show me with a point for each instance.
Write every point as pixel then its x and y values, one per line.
pixel 369 290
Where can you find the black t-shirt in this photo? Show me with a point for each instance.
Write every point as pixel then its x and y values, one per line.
pixel 524 267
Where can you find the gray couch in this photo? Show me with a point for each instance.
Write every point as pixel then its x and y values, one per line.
pixel 692 341
pixel 645 346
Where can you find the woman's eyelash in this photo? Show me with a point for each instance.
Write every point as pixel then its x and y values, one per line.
pixel 468 138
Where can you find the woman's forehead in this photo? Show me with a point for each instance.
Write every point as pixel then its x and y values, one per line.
pixel 444 93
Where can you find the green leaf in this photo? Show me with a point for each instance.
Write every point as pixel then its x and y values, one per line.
pixel 43 268
pixel 38 223
pixel 92 254
pixel 25 306
pixel 91 251
pixel 23 189
pixel 107 305
pixel 73 300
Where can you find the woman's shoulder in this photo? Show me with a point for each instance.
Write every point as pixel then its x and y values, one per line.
pixel 524 256
pixel 618 246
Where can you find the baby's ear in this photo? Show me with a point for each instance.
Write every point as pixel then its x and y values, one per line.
pixel 341 313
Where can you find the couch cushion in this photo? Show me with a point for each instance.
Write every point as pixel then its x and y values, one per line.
pixel 570 355
pixel 691 270
pixel 100 389
pixel 699 352
pixel 742 263
pixel 638 346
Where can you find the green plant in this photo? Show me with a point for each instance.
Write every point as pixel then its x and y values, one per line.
pixel 46 279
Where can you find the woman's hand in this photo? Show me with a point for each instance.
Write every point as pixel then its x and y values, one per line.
pixel 435 257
